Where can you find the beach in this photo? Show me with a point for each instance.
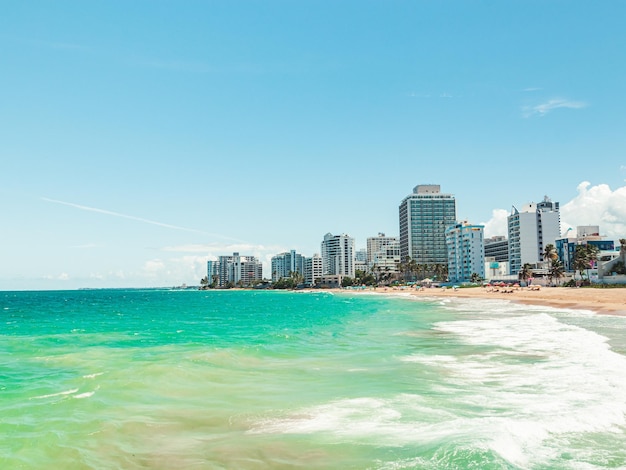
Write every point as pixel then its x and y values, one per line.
pixel 602 301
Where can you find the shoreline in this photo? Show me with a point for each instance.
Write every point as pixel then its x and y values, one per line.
pixel 600 301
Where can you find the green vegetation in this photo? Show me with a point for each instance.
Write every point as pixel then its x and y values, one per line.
pixel 584 259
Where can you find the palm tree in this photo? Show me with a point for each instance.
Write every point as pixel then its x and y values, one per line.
pixel 557 271
pixel 584 258
pixel 413 268
pixel 440 271
pixel 580 260
pixel 526 272
pixel 549 253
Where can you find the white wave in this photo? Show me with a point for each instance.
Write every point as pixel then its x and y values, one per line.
pixel 518 383
pixel 58 394
pixel 92 376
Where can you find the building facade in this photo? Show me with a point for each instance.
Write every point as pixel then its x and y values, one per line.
pixel 424 217
pixel 313 270
pixel 338 255
pixel 378 244
pixel 284 264
pixel 585 235
pixel 497 248
pixel 466 252
pixel 213 272
pixel 530 230
pixel 235 270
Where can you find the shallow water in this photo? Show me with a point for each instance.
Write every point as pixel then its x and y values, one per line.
pixel 258 380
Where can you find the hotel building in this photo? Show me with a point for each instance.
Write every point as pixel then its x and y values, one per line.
pixel 312 269
pixel 466 252
pixel 238 270
pixel 530 230
pixel 338 255
pixel 286 263
pixel 424 217
pixel 383 253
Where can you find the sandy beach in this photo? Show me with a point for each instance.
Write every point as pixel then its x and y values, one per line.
pixel 602 301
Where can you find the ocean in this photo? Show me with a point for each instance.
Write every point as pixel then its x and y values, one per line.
pixel 183 379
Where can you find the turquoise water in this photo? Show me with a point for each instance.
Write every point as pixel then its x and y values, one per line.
pixel 279 380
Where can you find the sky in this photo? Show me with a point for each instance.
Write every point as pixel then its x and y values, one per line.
pixel 140 139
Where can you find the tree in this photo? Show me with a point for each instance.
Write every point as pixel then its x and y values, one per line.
pixel 556 271
pixel 526 272
pixel 585 258
pixel 204 282
pixel 440 271
pixel 413 267
pixel 549 253
pixel 296 277
pixel 364 278
pixel 347 282
pixel 475 278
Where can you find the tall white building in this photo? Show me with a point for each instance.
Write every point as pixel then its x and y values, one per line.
pixel 383 254
pixel 313 269
pixel 377 244
pixel 286 263
pixel 530 230
pixel 338 255
pixel 237 270
pixel 424 217
pixel 466 251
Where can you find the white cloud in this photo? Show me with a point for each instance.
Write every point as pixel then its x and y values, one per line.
pixel 497 225
pixel 550 105
pixel 594 205
pixel 597 205
pixel 57 277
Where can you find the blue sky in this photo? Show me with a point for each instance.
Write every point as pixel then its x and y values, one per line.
pixel 139 139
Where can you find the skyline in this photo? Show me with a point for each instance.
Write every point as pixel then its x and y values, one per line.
pixel 139 141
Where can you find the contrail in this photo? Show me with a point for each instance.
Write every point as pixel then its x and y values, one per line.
pixel 138 219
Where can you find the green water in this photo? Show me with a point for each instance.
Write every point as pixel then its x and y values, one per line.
pixel 261 380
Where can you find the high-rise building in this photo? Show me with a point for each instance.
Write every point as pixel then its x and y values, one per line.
pixel 213 273
pixel 338 255
pixel 377 245
pixel 286 263
pixel 383 254
pixel 424 217
pixel 238 270
pixel 312 269
pixel 530 230
pixel 466 252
